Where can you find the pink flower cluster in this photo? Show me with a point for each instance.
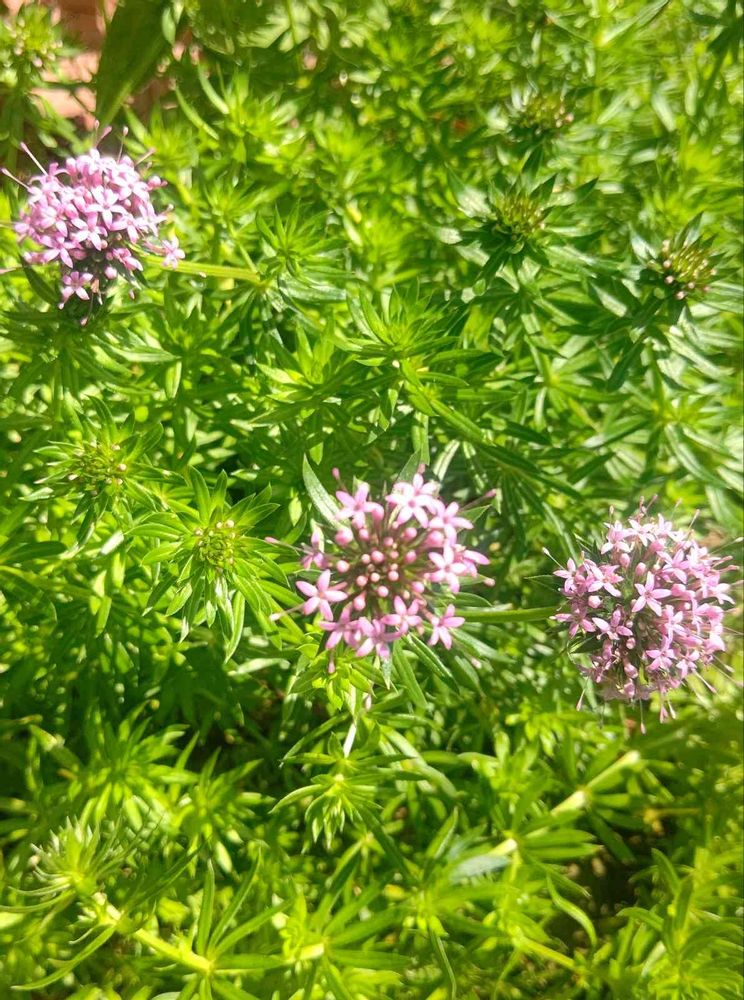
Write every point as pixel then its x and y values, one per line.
pixel 91 216
pixel 383 571
pixel 649 609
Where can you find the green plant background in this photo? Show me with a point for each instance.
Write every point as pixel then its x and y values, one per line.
pixel 393 254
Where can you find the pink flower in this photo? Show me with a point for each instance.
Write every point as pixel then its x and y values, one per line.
pixel 321 595
pixel 356 506
pixel 442 625
pixel 569 576
pixel 448 569
pixel 404 618
pixel 649 594
pixel 313 553
pixel 75 283
pixel 172 253
pixel 448 521
pixel 337 630
pixel 579 620
pixel 415 499
pixel 374 639
pixel 471 560
pixel 614 629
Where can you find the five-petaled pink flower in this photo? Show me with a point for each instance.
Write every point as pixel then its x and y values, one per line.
pixel 415 499
pixel 320 595
pixel 441 626
pixel 357 505
pixel 649 594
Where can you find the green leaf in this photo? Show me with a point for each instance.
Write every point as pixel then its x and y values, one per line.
pixel 132 48
pixel 442 958
pixel 250 963
pixel 411 467
pixel 67 967
pixel 238 619
pixel 220 271
pixel 497 615
pixel 624 365
pixel 429 657
pixel 321 499
pixel 201 494
pixel 370 959
pixel 229 991
pixel 407 677
pixel 647 13
pixel 335 982
pixel 573 911
pixel 248 927
pixel 205 912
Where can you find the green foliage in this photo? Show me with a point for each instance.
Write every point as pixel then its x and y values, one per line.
pixel 415 231
pixel 30 44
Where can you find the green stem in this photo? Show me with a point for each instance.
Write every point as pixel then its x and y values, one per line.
pixel 496 615
pixel 181 955
pixel 214 271
pixel 576 800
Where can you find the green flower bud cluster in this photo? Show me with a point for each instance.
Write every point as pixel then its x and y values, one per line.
pixel 686 270
pixel 518 218
pixel 29 41
pixel 540 115
pixel 98 466
pixel 216 545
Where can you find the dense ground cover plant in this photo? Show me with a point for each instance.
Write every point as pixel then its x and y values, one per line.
pixel 421 239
